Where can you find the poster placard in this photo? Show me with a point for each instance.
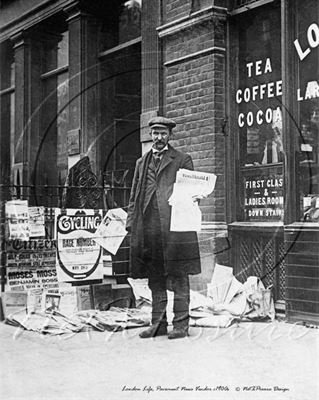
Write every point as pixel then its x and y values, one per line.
pixel 36 221
pixel 79 257
pixel 17 217
pixel 31 265
pixel 30 255
pixel 24 279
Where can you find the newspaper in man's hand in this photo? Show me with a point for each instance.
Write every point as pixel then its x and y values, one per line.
pixel 189 186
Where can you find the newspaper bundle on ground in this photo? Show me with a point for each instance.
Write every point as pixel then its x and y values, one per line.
pixel 111 231
pixel 52 323
pixel 189 185
pixel 260 299
pixel 117 319
pixel 200 305
pixel 228 300
pixel 141 291
pixel 224 286
pixel 55 323
pixel 249 300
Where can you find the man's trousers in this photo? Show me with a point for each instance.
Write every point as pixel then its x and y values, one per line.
pixel 159 281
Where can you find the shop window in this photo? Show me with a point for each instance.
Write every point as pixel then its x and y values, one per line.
pixel 306 46
pixel 259 93
pixel 258 114
pixel 55 110
pixel 121 24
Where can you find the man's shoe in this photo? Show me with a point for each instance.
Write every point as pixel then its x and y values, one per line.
pixel 177 333
pixel 152 331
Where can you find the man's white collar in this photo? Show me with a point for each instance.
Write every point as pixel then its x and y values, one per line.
pixel 159 151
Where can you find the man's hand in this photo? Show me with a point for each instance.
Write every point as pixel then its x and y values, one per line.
pixel 197 198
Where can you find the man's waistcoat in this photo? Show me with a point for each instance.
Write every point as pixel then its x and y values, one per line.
pixel 150 185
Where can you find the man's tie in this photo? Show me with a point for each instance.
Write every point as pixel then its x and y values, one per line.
pixel 158 157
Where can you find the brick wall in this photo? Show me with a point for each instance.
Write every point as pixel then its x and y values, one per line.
pixel 194 95
pixel 175 9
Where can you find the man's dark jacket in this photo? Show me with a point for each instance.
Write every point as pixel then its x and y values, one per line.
pixel 181 252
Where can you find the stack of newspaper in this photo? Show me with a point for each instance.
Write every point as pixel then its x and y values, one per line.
pixel 189 186
pixel 224 286
pixel 55 323
pixel 226 305
pixel 52 323
pixel 248 300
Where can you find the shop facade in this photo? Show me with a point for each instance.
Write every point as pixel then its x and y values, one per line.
pixel 273 148
pixel 81 78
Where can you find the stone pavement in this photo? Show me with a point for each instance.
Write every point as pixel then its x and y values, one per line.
pixel 246 361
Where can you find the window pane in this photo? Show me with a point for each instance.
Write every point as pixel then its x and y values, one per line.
pixel 7 72
pixel 62 124
pixel 122 23
pixel 306 44
pixel 259 117
pixel 56 52
pixel 12 73
pixel 257 96
pixel 7 65
pixel 63 50
pixel 12 114
pixel 47 171
pixel 7 138
pixel 130 21
pixel 55 119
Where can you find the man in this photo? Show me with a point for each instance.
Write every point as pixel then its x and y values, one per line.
pixel 273 150
pixel 166 258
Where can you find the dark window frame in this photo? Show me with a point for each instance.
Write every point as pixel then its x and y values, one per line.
pixel 236 172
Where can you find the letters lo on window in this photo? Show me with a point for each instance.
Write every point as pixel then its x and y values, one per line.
pixel 307 97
